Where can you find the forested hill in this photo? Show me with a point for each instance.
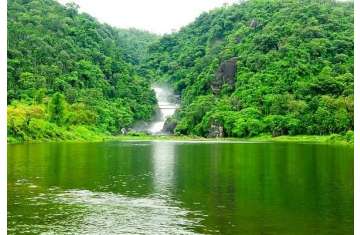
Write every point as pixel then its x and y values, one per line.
pixel 135 44
pixel 70 76
pixel 280 67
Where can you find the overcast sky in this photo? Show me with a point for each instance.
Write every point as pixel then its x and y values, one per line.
pixel 158 16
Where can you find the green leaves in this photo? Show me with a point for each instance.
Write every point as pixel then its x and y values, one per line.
pixel 57 108
pixel 294 68
pixel 83 71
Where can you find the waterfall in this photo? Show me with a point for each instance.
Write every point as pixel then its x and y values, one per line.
pixel 167 103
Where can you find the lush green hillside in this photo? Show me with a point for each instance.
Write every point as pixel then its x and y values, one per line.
pixel 279 67
pixel 71 77
pixel 135 44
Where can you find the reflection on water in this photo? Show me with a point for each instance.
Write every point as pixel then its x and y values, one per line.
pixel 180 188
pixel 164 165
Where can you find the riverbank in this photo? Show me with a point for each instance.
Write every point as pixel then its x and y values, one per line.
pixel 347 139
pixel 61 134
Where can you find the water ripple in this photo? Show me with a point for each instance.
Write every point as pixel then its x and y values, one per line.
pixel 109 213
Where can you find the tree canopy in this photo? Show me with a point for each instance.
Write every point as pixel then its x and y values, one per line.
pixel 70 70
pixel 294 69
pixel 278 67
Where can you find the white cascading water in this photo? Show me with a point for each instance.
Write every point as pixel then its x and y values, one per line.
pixel 167 107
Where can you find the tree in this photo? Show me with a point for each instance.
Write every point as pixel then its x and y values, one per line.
pixel 57 108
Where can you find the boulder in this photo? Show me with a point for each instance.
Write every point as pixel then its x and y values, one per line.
pixel 254 23
pixel 216 130
pixel 224 75
pixel 169 126
pixel 238 39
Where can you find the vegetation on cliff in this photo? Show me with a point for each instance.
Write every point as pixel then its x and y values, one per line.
pixel 253 68
pixel 278 67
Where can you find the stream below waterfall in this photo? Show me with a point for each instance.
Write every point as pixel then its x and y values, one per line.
pixel 167 103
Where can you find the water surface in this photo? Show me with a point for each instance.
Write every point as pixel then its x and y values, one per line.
pixel 180 188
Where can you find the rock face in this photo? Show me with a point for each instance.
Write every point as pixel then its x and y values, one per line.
pixel 216 130
pixel 224 75
pixel 169 126
pixel 254 23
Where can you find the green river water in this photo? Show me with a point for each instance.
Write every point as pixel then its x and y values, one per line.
pixel 165 187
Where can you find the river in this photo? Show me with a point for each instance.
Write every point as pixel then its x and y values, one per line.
pixel 166 187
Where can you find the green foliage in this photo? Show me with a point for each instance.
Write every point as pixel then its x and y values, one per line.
pixel 57 108
pixel 27 122
pixel 71 77
pixel 85 73
pixel 349 136
pixel 294 68
pixel 193 114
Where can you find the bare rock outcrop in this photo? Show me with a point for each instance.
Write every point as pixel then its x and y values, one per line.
pixel 169 125
pixel 216 130
pixel 224 75
pixel 254 23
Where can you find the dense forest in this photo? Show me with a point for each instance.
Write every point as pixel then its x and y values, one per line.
pixel 279 67
pixel 273 67
pixel 70 77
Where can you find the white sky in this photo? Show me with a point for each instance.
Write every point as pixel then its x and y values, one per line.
pixel 158 16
